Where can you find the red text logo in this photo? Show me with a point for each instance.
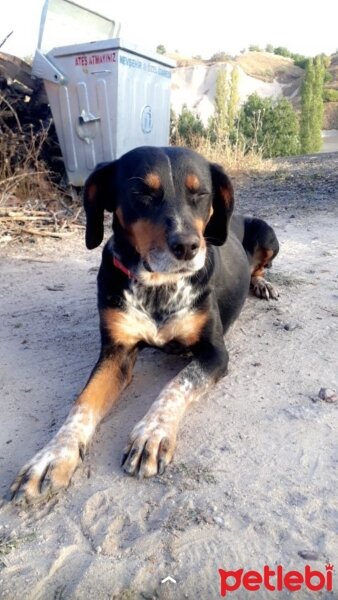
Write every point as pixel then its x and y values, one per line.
pixel 277 579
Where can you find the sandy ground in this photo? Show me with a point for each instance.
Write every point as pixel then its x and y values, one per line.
pixel 330 140
pixel 254 480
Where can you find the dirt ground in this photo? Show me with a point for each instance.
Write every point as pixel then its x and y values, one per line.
pixel 254 480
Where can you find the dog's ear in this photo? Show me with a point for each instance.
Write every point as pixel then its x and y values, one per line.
pixel 217 227
pixel 98 196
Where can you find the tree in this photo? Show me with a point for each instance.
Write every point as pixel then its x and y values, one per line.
pixel 221 124
pixel 312 105
pixel 271 127
pixel 219 57
pixel 318 103
pixel 281 129
pixel 254 48
pixel 282 51
pixel 233 98
pixel 306 108
pixel 328 77
pixel 250 121
pixel 269 48
pixel 221 102
pixel 188 126
pixel 300 60
pixel 160 49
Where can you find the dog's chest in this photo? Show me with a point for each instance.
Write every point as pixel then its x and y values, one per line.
pixel 158 314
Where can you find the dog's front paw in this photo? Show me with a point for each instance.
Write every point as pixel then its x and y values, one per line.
pixel 49 471
pixel 263 289
pixel 150 449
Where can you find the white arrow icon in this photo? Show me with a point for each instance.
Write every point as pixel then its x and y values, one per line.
pixel 168 578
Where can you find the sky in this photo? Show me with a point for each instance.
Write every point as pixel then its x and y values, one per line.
pixel 191 27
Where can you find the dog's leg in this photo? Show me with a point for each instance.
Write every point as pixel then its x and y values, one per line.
pixel 52 467
pixel 153 439
pixel 259 285
pixel 261 245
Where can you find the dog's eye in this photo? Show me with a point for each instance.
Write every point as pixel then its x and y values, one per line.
pixel 196 197
pixel 148 197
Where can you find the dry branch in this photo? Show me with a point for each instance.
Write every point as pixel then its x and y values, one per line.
pixel 45 233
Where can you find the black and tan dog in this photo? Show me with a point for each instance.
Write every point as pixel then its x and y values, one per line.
pixel 176 272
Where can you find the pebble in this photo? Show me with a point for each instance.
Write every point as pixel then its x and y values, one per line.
pixel 292 326
pixel 308 554
pixel 328 395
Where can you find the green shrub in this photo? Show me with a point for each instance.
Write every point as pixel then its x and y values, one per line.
pixel 282 51
pixel 328 77
pixel 187 126
pixel 220 57
pixel 299 60
pixel 271 127
pixel 330 95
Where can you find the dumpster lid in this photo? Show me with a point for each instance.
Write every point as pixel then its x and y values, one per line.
pixel 71 21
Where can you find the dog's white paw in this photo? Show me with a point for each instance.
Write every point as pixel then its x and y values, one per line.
pixel 150 449
pixel 50 470
pixel 263 289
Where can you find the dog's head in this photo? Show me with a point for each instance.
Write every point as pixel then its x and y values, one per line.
pixel 167 202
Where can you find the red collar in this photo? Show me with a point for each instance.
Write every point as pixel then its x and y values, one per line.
pixel 122 268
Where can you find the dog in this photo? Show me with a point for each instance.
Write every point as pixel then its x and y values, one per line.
pixel 175 274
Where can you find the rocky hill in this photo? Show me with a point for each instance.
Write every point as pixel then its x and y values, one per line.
pixel 267 74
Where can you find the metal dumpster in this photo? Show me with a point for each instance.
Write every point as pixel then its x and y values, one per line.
pixel 106 98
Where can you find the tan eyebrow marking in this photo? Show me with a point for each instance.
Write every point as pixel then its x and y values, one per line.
pixel 192 182
pixel 153 180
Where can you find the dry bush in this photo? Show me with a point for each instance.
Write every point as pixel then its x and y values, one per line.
pixel 234 158
pixel 23 175
pixel 184 61
pixel 30 201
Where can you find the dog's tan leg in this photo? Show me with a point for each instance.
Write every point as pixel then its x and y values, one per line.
pixel 260 287
pixel 52 467
pixel 152 441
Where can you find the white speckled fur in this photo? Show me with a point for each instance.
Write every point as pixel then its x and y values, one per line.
pixel 141 309
pixel 163 418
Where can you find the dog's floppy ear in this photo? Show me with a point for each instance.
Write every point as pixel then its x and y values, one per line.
pixel 217 228
pixel 98 196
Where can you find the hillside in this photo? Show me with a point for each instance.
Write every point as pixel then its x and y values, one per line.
pixel 268 67
pixel 267 74
pixel 333 70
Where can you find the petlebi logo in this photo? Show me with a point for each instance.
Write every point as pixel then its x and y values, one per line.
pixel 276 580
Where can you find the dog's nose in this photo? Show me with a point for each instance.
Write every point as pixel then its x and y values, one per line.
pixel 184 246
